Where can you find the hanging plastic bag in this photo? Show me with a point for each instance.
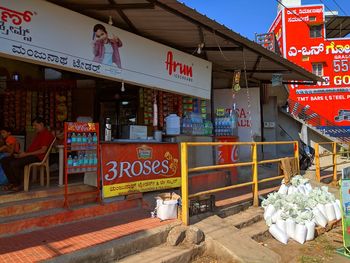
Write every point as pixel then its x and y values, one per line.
pixel 300 233
pixel 278 234
pixel 310 225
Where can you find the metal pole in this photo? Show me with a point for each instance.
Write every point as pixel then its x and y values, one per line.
pixel 317 155
pixel 255 175
pixel 334 163
pixel 184 184
pixel 296 154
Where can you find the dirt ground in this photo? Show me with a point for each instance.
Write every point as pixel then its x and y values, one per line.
pixel 321 249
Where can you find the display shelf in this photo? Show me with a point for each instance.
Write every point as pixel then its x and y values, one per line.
pixel 81 157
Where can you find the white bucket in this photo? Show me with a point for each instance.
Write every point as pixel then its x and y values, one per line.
pixel 172 124
pixel 166 209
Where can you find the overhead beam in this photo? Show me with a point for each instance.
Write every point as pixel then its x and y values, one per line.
pixel 83 7
pixel 262 71
pixel 124 17
pixel 257 62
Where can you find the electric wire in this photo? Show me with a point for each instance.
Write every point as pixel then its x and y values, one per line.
pixel 341 9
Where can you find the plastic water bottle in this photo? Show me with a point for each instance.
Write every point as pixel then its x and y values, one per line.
pixel 75 164
pixel 81 162
pixel 86 161
pixel 73 141
pixel 84 139
pixel 89 139
pixel 94 138
pixel 70 163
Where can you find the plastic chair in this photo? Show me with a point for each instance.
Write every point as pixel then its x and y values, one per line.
pixel 43 165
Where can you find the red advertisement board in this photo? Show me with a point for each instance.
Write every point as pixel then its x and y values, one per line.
pixel 277 28
pixel 131 168
pixel 331 58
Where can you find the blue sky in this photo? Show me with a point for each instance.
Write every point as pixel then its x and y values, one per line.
pixel 248 17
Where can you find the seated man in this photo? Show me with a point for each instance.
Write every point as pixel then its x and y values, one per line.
pixel 14 166
pixel 9 147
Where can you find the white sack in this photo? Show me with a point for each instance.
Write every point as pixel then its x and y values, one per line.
pixel 320 219
pixel 300 233
pixel 278 234
pixel 276 216
pixel 270 210
pixel 283 189
pixel 282 225
pixel 322 209
pixel 308 187
pixel 302 190
pixel 290 227
pixel 291 189
pixel 336 210
pixel 310 225
pixel 330 213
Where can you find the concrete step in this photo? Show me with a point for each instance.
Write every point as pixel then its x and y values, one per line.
pixel 42 203
pixel 246 217
pixel 258 231
pixel 164 254
pixel 42 192
pixel 121 248
pixel 50 217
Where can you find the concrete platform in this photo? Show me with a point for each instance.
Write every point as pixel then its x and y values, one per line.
pixel 229 244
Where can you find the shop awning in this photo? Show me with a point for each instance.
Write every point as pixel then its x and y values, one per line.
pixel 337 26
pixel 174 24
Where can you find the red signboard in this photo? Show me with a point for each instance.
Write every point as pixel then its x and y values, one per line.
pixel 307 46
pixel 131 168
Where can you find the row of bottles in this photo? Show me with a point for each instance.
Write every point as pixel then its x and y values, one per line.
pixel 82 161
pixel 227 124
pixel 193 124
pixel 86 140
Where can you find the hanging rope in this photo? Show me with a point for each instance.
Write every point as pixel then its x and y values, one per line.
pixel 248 96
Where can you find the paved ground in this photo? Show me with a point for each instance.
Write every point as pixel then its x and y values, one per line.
pixel 48 243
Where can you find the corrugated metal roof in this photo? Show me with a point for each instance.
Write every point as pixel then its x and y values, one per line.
pixel 174 24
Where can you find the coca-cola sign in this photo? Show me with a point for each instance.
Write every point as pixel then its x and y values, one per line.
pixel 130 168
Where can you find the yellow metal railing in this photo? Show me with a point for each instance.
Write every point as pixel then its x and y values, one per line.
pixel 254 163
pixel 332 153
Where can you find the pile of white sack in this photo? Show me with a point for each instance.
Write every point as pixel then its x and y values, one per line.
pixel 295 210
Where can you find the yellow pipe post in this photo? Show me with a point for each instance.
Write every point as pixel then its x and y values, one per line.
pixel 334 163
pixel 184 184
pixel 317 155
pixel 296 154
pixel 255 174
